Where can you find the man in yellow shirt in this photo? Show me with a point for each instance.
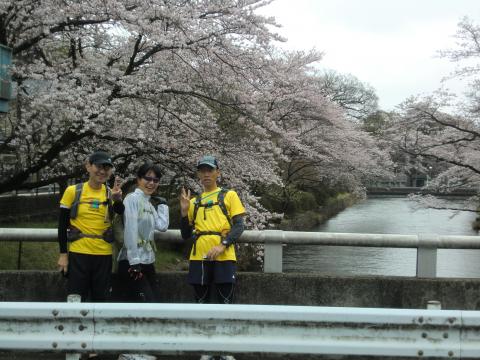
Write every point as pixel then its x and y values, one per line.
pixel 83 221
pixel 214 220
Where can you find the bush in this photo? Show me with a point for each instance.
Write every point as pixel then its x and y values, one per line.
pixel 303 201
pixel 302 221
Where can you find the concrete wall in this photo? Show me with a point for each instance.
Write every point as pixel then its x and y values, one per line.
pixel 279 289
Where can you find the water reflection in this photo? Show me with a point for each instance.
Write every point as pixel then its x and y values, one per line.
pixel 387 215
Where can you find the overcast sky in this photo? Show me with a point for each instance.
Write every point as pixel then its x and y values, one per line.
pixel 389 44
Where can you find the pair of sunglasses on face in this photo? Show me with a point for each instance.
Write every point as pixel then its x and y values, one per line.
pixel 155 180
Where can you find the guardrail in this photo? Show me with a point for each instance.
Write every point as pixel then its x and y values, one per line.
pixel 257 329
pixel 43 190
pixel 274 240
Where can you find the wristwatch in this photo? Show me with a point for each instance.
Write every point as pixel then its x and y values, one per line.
pixel 225 242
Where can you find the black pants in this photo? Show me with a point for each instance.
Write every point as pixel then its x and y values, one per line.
pixel 141 290
pixel 90 276
pixel 224 293
pixel 203 275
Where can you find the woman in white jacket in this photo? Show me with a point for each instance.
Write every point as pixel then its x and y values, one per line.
pixel 136 260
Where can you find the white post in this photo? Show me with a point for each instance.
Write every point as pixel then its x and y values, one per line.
pixel 75 298
pixel 427 256
pixel 273 256
pixel 434 305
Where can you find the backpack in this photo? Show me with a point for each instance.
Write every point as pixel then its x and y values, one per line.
pixel 118 228
pixel 220 202
pixel 77 202
pixel 197 204
pixel 73 233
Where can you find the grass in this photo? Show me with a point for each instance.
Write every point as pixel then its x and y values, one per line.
pixel 168 259
pixel 44 255
pixel 34 256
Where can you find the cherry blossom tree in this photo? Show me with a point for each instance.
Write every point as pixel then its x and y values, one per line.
pixel 166 80
pixel 441 132
pixel 359 100
pixel 427 130
pixel 128 76
pixel 333 152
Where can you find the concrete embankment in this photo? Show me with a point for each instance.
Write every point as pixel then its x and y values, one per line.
pixel 259 288
pixel 277 289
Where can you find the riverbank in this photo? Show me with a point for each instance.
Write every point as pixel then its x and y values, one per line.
pixel 310 219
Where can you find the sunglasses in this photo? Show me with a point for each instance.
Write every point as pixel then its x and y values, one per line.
pixel 155 180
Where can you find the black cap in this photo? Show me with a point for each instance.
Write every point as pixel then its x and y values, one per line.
pixel 209 161
pixel 100 158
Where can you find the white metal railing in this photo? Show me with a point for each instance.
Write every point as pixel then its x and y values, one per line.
pixel 273 240
pixel 215 328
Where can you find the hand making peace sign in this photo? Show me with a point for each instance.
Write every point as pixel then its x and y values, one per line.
pixel 117 189
pixel 185 196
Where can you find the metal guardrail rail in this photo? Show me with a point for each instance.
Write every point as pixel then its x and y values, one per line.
pixel 273 240
pixel 207 328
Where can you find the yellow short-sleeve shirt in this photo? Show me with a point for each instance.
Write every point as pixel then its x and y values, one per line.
pixel 92 218
pixel 211 218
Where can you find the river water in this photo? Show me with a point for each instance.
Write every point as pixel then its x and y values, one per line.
pixel 387 215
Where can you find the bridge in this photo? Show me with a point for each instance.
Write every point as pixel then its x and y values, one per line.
pixel 405 190
pixel 326 316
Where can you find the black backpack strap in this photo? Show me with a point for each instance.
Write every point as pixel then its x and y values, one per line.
pixel 221 203
pixel 76 200
pixel 196 205
pixel 109 203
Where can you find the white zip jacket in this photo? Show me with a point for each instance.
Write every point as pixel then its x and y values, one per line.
pixel 141 219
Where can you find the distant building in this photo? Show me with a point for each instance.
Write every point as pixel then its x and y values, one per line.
pixel 401 180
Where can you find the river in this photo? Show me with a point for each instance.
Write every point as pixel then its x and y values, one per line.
pixel 387 215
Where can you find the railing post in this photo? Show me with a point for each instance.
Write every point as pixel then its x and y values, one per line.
pixel 19 255
pixel 434 305
pixel 273 252
pixel 75 298
pixel 427 256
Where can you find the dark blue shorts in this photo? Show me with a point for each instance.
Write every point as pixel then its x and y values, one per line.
pixel 208 272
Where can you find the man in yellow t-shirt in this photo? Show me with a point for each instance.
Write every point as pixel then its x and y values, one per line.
pixel 214 220
pixel 88 261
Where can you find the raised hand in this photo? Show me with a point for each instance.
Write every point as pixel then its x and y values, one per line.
pixel 117 189
pixel 185 197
